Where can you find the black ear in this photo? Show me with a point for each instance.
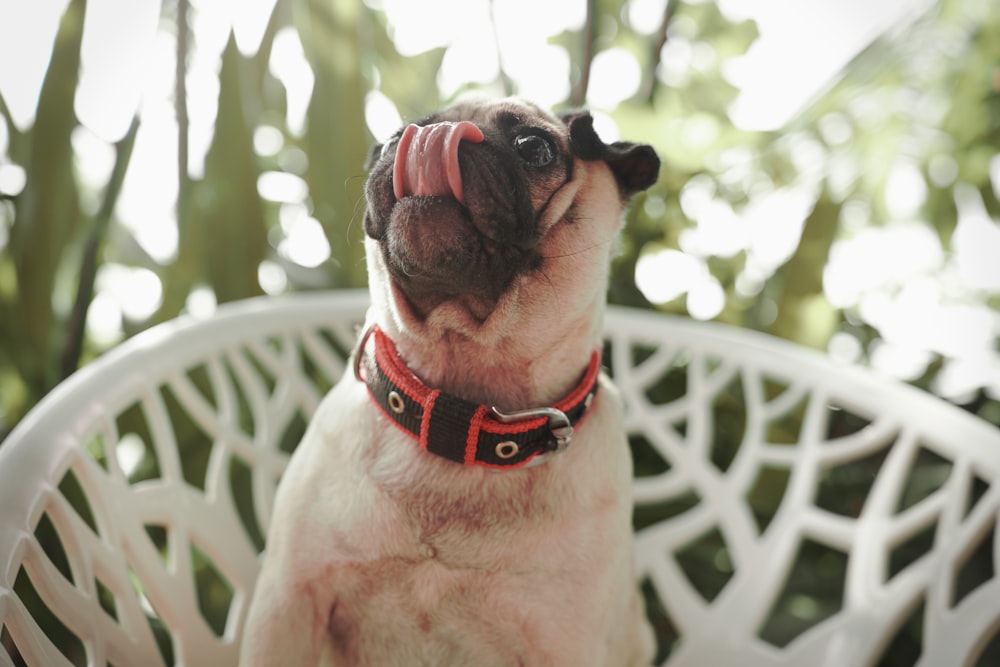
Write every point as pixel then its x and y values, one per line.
pixel 636 166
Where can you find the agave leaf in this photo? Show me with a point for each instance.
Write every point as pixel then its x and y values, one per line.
pixel 334 144
pixel 225 236
pixel 806 315
pixel 46 214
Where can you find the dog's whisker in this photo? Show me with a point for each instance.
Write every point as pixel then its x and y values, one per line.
pixel 580 251
pixel 359 206
pixel 555 293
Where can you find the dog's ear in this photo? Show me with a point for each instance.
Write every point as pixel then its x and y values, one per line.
pixel 635 166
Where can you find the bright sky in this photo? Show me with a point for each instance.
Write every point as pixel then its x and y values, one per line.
pixel 774 77
pixel 802 46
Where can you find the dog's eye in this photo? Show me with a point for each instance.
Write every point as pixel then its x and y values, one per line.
pixel 536 151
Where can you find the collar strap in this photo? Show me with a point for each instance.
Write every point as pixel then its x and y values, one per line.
pixel 464 432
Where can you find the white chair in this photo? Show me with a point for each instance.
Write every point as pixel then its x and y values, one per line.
pixel 790 511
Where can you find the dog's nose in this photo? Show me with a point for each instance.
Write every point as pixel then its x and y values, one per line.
pixel 426 162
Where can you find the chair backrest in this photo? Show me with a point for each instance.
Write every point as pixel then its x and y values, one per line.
pixel 789 511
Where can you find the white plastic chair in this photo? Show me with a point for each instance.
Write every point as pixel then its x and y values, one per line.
pixel 791 511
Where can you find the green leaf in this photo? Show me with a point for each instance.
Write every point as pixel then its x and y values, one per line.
pixel 227 221
pixel 804 314
pixel 46 214
pixel 335 142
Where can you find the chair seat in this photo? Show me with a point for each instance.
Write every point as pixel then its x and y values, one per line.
pixel 789 510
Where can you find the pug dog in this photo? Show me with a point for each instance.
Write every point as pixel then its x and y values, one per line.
pixel 463 496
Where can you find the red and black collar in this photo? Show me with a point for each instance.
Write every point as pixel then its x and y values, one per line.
pixel 465 432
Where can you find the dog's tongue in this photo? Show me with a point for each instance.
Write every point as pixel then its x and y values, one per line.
pixel 427 159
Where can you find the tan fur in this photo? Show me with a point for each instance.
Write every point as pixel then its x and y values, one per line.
pixel 381 554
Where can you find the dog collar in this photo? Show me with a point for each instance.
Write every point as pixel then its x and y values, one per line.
pixel 464 432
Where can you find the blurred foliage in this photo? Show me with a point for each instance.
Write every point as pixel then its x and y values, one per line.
pixel 929 92
pixel 898 97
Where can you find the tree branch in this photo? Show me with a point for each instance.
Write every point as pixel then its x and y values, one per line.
pixel 180 102
pixel 508 84
pixel 579 94
pixel 649 82
pixel 88 267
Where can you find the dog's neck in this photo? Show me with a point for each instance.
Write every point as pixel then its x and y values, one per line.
pixel 492 361
pixel 529 347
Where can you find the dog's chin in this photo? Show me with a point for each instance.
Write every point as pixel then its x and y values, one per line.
pixel 418 307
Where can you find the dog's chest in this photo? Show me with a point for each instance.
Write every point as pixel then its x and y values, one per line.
pixel 499 608
pixel 464 565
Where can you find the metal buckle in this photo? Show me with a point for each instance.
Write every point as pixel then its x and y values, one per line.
pixel 559 424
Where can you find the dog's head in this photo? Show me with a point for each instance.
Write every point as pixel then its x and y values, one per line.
pixel 470 203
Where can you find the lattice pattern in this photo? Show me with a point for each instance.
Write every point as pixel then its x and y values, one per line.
pixel 790 512
pixel 806 519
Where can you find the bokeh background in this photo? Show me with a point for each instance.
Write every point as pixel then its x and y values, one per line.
pixel 831 167
pixel 831 175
